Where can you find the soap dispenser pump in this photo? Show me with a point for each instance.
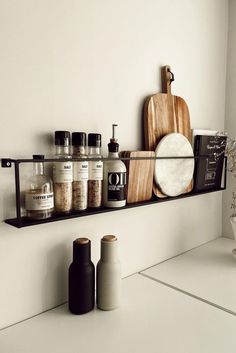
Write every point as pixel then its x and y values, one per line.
pixel 114 175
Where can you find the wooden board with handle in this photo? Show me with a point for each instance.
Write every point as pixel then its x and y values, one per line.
pixel 139 175
pixel 165 113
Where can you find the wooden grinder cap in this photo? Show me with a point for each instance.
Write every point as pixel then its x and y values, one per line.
pixel 82 241
pixel 109 238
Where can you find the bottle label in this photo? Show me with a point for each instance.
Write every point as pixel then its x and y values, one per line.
pixel 95 170
pixel 116 186
pixel 38 202
pixel 62 172
pixel 80 171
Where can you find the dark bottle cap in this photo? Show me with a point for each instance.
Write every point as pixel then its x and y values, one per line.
pixel 113 147
pixel 95 140
pixel 38 156
pixel 62 138
pixel 78 138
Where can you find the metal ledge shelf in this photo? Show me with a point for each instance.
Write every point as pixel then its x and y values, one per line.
pixel 22 221
pixel 26 222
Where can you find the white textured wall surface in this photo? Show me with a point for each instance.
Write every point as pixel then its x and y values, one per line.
pixel 230 113
pixel 82 65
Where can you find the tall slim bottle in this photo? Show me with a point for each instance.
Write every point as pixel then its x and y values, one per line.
pixel 114 176
pixel 81 278
pixel 95 171
pixel 80 172
pixel 62 173
pixel 108 275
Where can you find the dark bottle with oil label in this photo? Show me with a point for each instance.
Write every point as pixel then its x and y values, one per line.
pixel 114 176
pixel 81 278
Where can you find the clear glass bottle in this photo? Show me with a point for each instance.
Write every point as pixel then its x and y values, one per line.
pixel 95 171
pixel 62 173
pixel 39 203
pixel 80 172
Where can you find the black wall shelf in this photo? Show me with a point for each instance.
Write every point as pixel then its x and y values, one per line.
pixel 26 222
pixel 21 221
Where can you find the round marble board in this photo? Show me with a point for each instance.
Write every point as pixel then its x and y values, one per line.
pixel 173 176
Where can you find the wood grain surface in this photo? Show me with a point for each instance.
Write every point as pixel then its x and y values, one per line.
pixel 139 176
pixel 165 113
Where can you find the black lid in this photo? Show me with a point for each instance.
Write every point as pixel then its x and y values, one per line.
pixel 61 137
pixel 95 140
pixel 113 147
pixel 78 138
pixel 38 156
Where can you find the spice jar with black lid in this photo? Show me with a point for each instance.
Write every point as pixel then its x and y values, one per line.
pixel 62 173
pixel 80 172
pixel 95 171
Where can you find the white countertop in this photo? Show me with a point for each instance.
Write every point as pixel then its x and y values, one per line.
pixel 207 272
pixel 153 317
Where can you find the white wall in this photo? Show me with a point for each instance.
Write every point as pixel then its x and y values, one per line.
pixel 82 65
pixel 230 112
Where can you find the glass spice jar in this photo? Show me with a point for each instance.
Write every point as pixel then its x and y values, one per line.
pixel 95 171
pixel 62 173
pixel 80 172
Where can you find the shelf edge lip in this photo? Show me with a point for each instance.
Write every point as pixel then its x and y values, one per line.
pixel 24 222
pixel 30 160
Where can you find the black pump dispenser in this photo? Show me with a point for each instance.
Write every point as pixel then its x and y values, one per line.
pixel 113 146
pixel 114 175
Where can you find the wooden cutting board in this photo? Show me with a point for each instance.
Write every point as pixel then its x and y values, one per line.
pixel 165 113
pixel 139 175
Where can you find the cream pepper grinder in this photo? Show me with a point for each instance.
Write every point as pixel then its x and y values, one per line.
pixel 109 275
